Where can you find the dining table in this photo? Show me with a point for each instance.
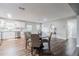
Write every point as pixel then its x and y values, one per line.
pixel 44 38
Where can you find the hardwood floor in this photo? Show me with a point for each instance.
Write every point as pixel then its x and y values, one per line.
pixel 17 47
pixel 14 47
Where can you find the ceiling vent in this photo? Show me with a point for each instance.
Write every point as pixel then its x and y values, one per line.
pixel 21 8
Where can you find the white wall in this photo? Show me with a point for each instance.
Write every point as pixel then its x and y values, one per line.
pixel 61 28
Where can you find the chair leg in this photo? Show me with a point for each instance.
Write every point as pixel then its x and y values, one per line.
pixel 26 44
pixel 1 42
pixel 49 46
pixel 31 50
pixel 40 52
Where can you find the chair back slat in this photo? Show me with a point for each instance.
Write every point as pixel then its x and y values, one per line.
pixel 35 40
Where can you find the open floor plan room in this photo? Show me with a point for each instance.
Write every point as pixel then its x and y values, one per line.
pixel 39 29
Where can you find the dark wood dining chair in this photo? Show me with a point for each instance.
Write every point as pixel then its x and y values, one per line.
pixel 47 40
pixel 18 34
pixel 27 37
pixel 36 43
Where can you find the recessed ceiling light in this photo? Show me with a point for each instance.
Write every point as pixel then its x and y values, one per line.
pixel 9 15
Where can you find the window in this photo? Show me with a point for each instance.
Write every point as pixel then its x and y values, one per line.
pixel 10 26
pixel 52 28
pixel 1 23
pixel 38 27
pixel 45 29
pixel 19 26
pixel 29 27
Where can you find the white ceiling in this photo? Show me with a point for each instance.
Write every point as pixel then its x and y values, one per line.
pixel 36 12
